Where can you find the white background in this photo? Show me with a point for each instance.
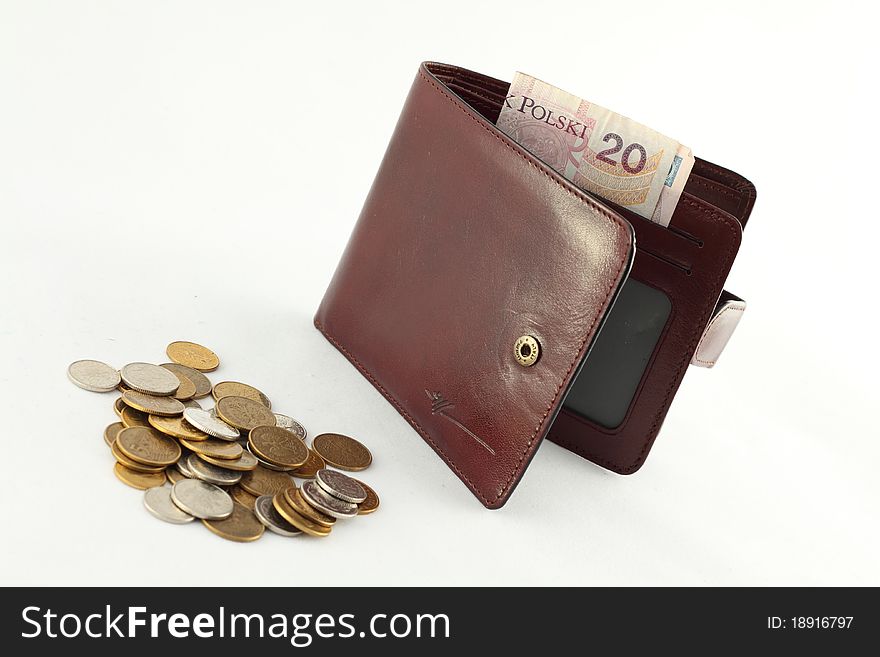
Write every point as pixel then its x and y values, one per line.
pixel 192 170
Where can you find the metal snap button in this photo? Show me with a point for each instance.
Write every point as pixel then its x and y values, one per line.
pixel 526 350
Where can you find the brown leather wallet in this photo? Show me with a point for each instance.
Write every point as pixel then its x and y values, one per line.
pixel 476 281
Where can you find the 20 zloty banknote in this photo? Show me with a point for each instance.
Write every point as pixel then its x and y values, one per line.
pixel 600 151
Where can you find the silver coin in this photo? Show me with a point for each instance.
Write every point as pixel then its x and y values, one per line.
pixel 287 422
pixel 341 486
pixel 265 464
pixel 183 467
pixel 208 422
pixel 211 473
pixel 150 379
pixel 323 501
pixel 93 375
pixel 271 519
pixel 201 499
pixel 158 502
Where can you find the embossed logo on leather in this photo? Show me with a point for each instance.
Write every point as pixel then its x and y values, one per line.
pixel 440 405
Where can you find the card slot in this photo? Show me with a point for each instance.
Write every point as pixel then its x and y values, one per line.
pixel 685 268
pixel 657 233
pixel 686 235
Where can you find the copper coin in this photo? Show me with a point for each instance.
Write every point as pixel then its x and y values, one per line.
pixel 187 389
pixel 242 526
pixel 276 445
pixel 131 464
pixel 152 404
pixel 139 480
pixel 174 475
pixel 342 452
pixel 203 384
pixel 219 449
pixel 243 463
pixel 243 413
pixel 241 496
pixel 176 427
pixel 298 503
pixel 193 355
pixel 236 389
pixel 296 519
pixel 371 503
pixel 118 406
pixel 264 462
pixel 310 468
pixel 148 446
pixel 263 481
pixel 111 432
pixel 133 418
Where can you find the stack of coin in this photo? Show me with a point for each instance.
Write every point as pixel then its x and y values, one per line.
pixel 231 466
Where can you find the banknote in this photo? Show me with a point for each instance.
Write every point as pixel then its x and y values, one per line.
pixel 600 151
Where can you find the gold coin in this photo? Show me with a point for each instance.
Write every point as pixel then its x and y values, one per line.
pixel 236 389
pixel 132 418
pixel 342 452
pixel 118 405
pixel 241 496
pixel 243 413
pixel 174 475
pixel 148 446
pixel 176 427
pixel 219 449
pixel 310 468
pixel 202 383
pixel 193 355
pixel 139 480
pixel 371 503
pixel 262 481
pixel 294 498
pixel 242 526
pixel 296 519
pixel 186 390
pixel 276 445
pixel 111 432
pixel 243 463
pixel 153 405
pixel 131 464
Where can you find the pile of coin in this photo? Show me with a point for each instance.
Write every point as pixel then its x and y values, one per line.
pixel 231 466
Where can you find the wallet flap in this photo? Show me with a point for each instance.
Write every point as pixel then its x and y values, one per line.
pixel 467 243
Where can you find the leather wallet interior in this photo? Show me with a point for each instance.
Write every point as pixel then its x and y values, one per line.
pixel 467 242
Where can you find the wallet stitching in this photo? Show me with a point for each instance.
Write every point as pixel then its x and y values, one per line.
pixel 652 431
pixel 400 409
pixel 708 329
pixel 611 287
pixel 737 182
pixel 718 187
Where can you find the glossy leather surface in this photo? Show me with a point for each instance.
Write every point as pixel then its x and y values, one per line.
pixel 465 243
